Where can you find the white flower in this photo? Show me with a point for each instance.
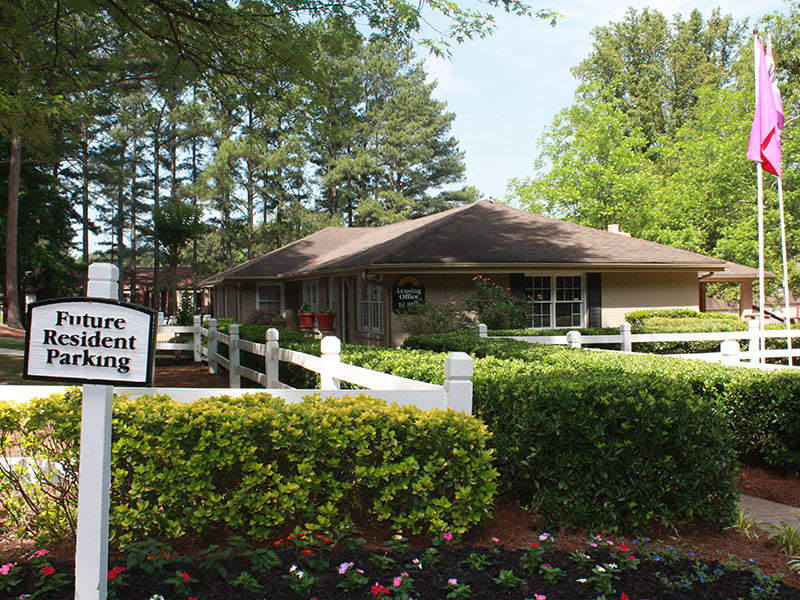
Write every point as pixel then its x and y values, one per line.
pixel 581 580
pixel 156 597
pixel 601 569
pixel 612 566
pixel 544 536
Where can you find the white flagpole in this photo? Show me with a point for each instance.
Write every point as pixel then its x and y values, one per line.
pixel 786 317
pixel 760 177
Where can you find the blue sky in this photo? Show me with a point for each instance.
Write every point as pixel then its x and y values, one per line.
pixel 507 88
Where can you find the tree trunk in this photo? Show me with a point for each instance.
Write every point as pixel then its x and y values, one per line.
pixel 12 288
pixel 85 203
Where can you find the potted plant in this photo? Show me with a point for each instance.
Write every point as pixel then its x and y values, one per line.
pixel 325 319
pixel 305 316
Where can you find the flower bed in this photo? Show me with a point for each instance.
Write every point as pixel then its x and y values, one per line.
pixel 306 565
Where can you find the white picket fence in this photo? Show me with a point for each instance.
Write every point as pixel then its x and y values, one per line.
pixel 455 393
pixel 730 352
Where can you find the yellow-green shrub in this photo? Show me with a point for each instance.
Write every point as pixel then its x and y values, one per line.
pixel 254 463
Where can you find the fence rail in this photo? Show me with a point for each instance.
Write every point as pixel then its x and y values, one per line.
pixel 455 393
pixel 730 350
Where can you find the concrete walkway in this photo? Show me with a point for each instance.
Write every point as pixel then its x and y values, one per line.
pixel 768 513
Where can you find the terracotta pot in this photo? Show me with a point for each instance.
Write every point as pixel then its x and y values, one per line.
pixel 325 321
pixel 305 320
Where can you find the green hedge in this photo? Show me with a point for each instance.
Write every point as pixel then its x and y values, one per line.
pixel 253 464
pixel 557 417
pixel 762 407
pixel 608 447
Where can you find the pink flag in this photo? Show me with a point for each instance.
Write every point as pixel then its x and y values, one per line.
pixel 765 137
pixel 773 82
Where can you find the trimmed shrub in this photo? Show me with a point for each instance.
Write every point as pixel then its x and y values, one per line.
pixel 253 464
pixel 618 445
pixel 762 407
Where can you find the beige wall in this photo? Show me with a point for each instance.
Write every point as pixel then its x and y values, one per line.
pixel 624 292
pixel 439 289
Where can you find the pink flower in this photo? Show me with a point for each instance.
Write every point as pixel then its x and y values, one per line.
pixel 6 568
pixel 452 581
pixel 344 566
pixel 48 570
pixel 448 536
pixel 540 597
pixel 496 540
pixel 40 553
pixel 398 581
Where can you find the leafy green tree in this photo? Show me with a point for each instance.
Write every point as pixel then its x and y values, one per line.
pixel 176 222
pixel 592 168
pixel 652 68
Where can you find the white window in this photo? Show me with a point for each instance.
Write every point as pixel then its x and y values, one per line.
pixel 558 301
pixel 370 308
pixel 311 294
pixel 269 297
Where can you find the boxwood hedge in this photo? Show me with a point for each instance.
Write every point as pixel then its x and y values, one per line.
pixel 252 464
pixel 587 439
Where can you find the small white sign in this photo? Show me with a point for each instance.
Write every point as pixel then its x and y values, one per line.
pixel 89 341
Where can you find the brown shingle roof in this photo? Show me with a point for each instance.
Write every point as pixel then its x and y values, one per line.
pixel 483 233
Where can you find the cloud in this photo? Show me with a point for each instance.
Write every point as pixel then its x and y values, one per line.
pixel 448 83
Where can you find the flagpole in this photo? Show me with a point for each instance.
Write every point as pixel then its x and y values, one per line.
pixel 760 178
pixel 786 317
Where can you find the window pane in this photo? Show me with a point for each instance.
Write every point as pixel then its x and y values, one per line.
pixel 568 314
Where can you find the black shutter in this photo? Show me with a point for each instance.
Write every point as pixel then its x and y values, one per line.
pixel 516 281
pixel 594 299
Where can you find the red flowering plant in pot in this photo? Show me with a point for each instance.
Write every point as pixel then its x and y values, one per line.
pixel 325 319
pixel 305 316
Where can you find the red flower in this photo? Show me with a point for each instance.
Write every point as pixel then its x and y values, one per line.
pixel 112 574
pixel 307 552
pixel 326 540
pixel 185 576
pixel 534 544
pixel 623 548
pixel 278 543
pixel 378 589
pixel 623 597
pixel 631 557
pixel 48 570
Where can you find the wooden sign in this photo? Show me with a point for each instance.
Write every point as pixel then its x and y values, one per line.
pixel 90 341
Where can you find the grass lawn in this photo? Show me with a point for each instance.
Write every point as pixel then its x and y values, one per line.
pixel 13 343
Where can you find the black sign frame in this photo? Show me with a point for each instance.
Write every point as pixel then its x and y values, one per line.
pixel 151 346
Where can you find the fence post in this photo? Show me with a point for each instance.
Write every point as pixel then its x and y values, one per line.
pixel 233 356
pixel 271 362
pixel 331 348
pixel 754 345
pixel 458 369
pixel 625 331
pixel 212 346
pixel 574 339
pixel 196 339
pixel 483 330
pixel 730 352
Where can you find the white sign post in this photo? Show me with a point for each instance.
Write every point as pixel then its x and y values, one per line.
pixel 94 483
pixel 97 341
